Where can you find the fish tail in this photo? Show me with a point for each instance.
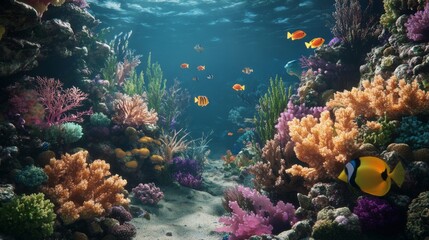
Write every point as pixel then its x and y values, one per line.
pixel 398 174
pixel 195 99
pixel 307 44
pixel 243 87
pixel 289 35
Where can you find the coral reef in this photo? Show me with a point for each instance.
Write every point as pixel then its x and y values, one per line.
pixel 324 144
pixel 418 25
pixel 132 111
pixel 31 176
pixel 417 217
pixel 393 97
pixel 148 193
pixel 28 215
pixel 80 190
pixel 379 216
pixel 262 217
pixel 413 132
pixel 336 224
pixel 187 172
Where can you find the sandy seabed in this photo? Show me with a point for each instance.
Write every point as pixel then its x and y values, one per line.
pixel 187 214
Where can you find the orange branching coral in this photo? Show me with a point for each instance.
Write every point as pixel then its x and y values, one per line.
pixel 323 144
pixel 80 190
pixel 271 175
pixel 133 111
pixel 394 97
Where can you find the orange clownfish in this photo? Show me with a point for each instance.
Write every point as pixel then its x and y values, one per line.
pixel 372 175
pixel 184 65
pixel 298 34
pixel 201 101
pixel 315 42
pixel 238 87
pixel 201 68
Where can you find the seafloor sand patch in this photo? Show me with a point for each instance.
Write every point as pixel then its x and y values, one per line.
pixel 187 214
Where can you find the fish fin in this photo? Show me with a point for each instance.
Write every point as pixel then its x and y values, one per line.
pixel 398 174
pixel 289 35
pixel 195 99
pixel 244 87
pixel 343 176
pixel 307 44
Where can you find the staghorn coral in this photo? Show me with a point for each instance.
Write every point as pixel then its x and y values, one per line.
pixel 324 144
pixel 80 190
pixel 392 97
pixel 132 111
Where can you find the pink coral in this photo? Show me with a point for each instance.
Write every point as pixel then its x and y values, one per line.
pixel 133 111
pixel 58 101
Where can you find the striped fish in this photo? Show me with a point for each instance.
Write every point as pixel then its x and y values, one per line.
pixel 201 101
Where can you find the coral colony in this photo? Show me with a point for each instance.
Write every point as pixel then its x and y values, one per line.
pixel 92 150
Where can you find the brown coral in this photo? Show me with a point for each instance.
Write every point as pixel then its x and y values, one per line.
pixel 394 97
pixel 271 175
pixel 80 190
pixel 133 111
pixel 324 144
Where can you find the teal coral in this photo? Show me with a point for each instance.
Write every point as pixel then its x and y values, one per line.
pixel 28 216
pixel 100 120
pixel 413 132
pixel 418 217
pixel 31 176
pixel 65 133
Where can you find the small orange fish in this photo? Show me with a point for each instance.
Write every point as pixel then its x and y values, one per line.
pixel 201 101
pixel 238 87
pixel 201 68
pixel 241 130
pixel 195 78
pixel 298 34
pixel 315 42
pixel 184 65
pixel 230 133
pixel 247 70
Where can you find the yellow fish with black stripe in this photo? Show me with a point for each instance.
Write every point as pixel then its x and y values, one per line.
pixel 201 101
pixel 372 175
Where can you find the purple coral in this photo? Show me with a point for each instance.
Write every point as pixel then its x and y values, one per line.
pixel 187 172
pixel 293 111
pixel 418 25
pixel 263 217
pixel 378 215
pixel 124 231
pixel 148 193
pixel 120 213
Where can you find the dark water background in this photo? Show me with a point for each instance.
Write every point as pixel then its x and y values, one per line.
pixel 235 34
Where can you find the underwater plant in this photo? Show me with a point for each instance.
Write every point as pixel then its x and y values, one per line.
pixel 28 216
pixel 173 143
pixel 156 85
pixel 270 107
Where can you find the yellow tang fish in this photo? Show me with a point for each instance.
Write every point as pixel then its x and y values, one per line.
pixel 201 101
pixel 372 175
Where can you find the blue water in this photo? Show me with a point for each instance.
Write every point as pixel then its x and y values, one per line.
pixel 235 34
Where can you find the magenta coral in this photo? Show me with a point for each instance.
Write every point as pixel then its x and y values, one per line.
pixel 262 217
pixel 58 101
pixel 242 225
pixel 418 25
pixel 148 193
pixel 293 111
